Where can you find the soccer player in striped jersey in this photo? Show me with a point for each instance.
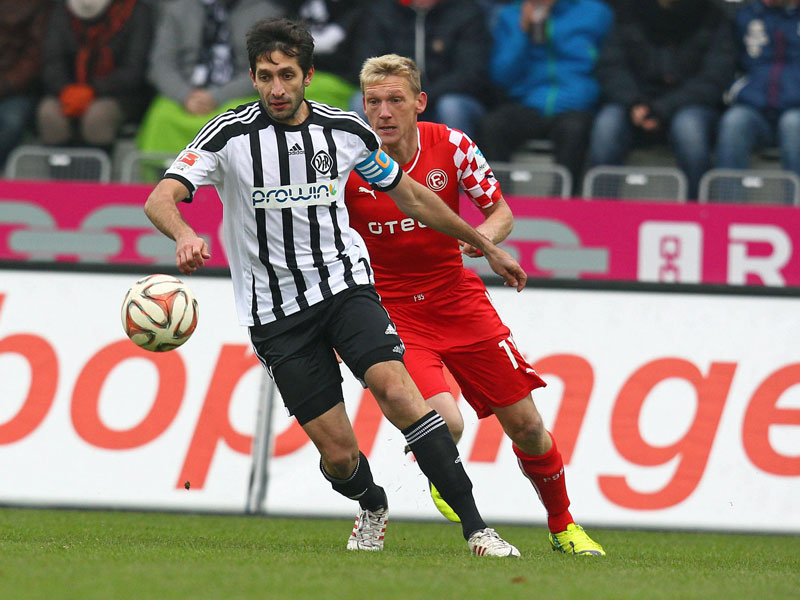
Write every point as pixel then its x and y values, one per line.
pixel 301 275
pixel 442 311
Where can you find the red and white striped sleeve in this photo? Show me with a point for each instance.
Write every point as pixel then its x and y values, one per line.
pixel 475 176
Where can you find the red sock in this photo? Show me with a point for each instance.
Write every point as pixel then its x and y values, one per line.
pixel 546 473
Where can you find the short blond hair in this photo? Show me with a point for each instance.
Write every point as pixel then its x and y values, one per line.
pixel 378 68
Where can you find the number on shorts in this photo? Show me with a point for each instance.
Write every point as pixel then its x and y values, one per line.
pixel 505 346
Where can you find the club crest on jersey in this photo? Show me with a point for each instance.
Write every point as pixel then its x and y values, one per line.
pixel 291 196
pixel 436 180
pixel 322 162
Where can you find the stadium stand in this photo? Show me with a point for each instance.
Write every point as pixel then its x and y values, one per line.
pixel 523 179
pixel 635 183
pixel 56 163
pixel 144 167
pixel 750 186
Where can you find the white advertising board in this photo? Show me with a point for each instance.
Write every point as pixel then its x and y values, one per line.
pixel 670 409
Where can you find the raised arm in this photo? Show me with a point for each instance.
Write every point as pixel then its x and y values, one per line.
pixel 422 204
pixel 191 251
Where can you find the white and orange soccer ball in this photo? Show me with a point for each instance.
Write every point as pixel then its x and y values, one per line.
pixel 159 313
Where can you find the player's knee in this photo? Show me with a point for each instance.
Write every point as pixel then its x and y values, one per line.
pixel 530 433
pixel 339 460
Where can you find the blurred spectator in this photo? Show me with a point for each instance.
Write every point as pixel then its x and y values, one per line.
pixel 663 71
pixel 95 57
pixel 199 67
pixel 543 58
pixel 765 100
pixel 332 23
pixel 22 27
pixel 449 41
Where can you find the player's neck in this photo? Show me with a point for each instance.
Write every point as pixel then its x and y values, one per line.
pixel 403 150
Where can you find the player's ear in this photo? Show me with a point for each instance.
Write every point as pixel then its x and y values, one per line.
pixel 308 77
pixel 422 102
pixel 252 78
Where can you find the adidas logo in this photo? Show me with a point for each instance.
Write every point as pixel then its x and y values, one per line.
pixel 296 149
pixel 390 330
pixel 398 350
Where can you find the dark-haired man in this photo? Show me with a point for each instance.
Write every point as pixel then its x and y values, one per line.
pixel 302 279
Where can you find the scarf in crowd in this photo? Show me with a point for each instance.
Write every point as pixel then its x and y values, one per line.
pixel 94 58
pixel 215 61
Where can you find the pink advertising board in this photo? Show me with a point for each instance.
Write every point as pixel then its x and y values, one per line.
pixel 552 238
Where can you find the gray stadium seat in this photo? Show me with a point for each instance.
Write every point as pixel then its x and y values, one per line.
pixel 145 167
pixel 750 186
pixel 635 183
pixel 52 163
pixel 520 179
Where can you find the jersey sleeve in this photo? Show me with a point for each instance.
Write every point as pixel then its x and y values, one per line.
pixel 193 168
pixel 380 170
pixel 475 176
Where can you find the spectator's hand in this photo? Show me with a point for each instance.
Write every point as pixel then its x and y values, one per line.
pixel 642 118
pixel 75 99
pixel 533 12
pixel 199 102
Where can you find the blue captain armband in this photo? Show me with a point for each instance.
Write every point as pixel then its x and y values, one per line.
pixel 380 170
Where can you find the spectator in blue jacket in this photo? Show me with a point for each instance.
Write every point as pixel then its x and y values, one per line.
pixel 663 71
pixel 543 59
pixel 765 100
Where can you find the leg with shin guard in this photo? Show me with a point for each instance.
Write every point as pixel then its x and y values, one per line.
pixel 438 458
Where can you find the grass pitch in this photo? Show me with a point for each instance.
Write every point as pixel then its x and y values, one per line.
pixel 67 554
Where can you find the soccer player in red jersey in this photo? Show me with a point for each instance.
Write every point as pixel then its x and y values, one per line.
pixel 442 311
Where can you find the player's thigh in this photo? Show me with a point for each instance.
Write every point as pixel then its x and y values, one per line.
pixel 303 365
pixel 396 394
pixel 362 332
pixel 425 365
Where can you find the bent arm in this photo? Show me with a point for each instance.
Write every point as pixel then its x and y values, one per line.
pixel 498 223
pixel 422 204
pixel 161 208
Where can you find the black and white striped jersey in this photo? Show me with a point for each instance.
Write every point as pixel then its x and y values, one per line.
pixel 286 228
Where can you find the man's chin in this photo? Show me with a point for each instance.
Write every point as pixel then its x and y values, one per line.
pixel 390 136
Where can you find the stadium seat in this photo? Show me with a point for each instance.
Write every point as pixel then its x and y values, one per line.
pixel 635 183
pixel 52 163
pixel 144 167
pixel 750 186
pixel 521 179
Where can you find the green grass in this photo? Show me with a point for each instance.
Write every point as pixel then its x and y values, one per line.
pixel 119 555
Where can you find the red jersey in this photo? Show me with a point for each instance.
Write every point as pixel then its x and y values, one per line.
pixel 409 258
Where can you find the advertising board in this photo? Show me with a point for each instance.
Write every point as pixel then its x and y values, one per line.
pixel 670 410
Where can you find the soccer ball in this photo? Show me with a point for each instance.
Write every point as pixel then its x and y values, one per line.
pixel 159 313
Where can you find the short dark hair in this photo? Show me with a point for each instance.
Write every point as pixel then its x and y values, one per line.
pixel 290 37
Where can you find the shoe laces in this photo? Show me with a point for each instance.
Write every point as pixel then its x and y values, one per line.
pixel 487 540
pixel 578 539
pixel 371 526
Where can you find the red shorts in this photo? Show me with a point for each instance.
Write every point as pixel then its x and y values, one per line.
pixel 460 329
